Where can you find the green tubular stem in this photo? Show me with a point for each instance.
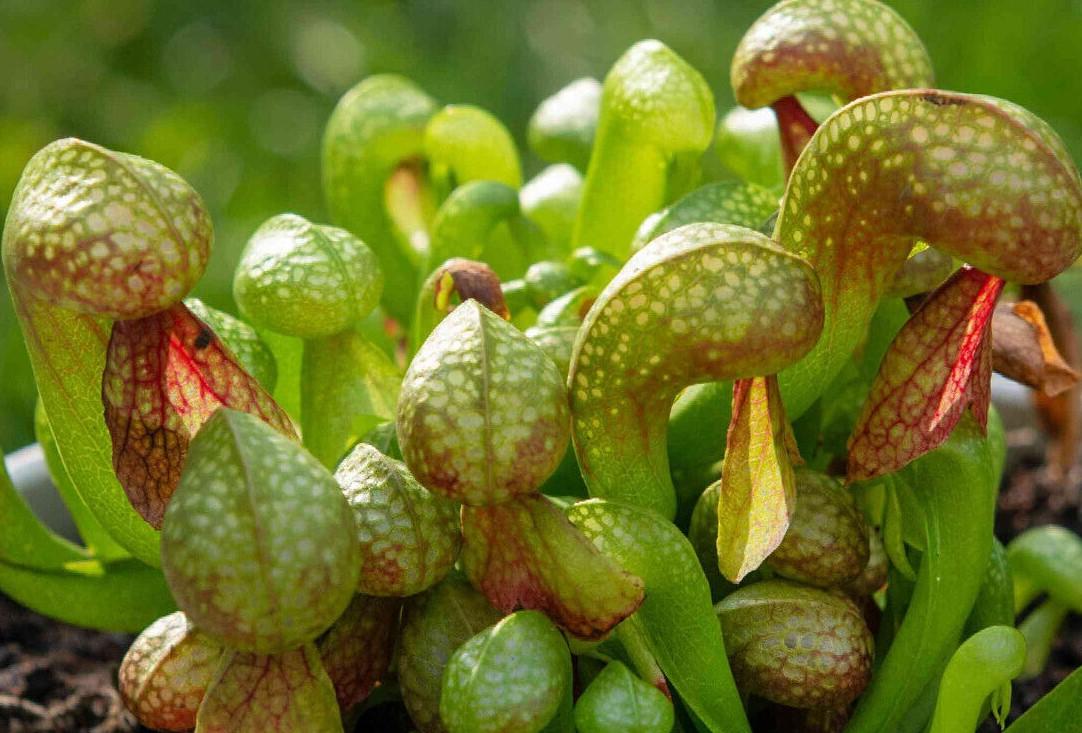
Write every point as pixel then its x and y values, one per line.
pixel 348 386
pixel 67 353
pixel 551 200
pixel 1047 559
pixel 98 541
pixel 563 126
pixel 637 647
pixel 956 488
pixel 657 114
pixel 982 667
pixel 1040 628
pixel 613 206
pixel 25 541
pixel 377 127
pixel 995 602
pixel 288 355
pixel 466 226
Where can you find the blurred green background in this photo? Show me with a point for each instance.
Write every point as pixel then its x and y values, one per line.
pixel 234 95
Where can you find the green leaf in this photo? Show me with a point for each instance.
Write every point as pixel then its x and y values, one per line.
pixel 955 486
pixel 1056 711
pixel 1040 628
pixel 976 177
pixel 465 143
pixel 676 617
pixel 306 280
pixel 125 595
pixel 617 700
pixel 288 356
pixel 743 204
pixel 376 128
pixel 482 416
pixel 995 601
pixel 434 625
pixel 1047 559
pixel 551 200
pixel 258 544
pixel 409 537
pixel 468 225
pixel 24 540
pixel 851 49
pixel 747 145
pixel 67 351
pixel 126 239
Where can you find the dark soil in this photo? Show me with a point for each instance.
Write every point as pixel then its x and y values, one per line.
pixel 59 678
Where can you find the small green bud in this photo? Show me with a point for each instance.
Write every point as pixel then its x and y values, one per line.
pixel 306 280
pixel 509 678
pixel 551 200
pixel 549 280
pixel 619 702
pixel 747 145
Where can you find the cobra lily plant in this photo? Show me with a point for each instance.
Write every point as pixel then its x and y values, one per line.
pixel 617 448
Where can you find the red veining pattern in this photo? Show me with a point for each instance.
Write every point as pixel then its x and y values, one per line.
pixel 276 693
pixel 524 553
pixel 938 364
pixel 165 375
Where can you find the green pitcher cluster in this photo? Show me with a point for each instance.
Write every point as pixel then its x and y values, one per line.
pixel 618 448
